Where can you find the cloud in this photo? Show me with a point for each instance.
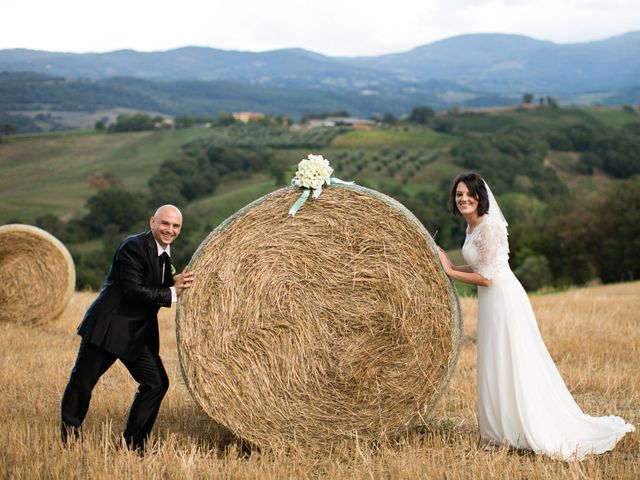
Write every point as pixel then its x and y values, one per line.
pixel 334 27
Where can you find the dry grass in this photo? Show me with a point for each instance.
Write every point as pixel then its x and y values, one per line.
pixel 593 334
pixel 37 275
pixel 321 337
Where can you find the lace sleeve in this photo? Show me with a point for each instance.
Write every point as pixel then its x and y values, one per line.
pixel 493 249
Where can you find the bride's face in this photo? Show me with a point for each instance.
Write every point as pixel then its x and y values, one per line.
pixel 467 205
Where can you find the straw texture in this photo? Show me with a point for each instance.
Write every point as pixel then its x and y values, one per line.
pixel 37 276
pixel 336 324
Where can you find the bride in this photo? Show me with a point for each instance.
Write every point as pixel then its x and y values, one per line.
pixel 522 400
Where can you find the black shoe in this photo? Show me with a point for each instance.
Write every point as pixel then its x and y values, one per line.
pixel 69 433
pixel 139 448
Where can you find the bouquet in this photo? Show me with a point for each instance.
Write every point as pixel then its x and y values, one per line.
pixel 313 172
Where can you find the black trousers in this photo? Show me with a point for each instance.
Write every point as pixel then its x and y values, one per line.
pixel 91 363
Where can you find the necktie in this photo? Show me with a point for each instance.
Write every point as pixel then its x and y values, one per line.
pixel 165 265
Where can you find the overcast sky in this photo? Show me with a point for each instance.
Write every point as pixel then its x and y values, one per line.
pixel 330 27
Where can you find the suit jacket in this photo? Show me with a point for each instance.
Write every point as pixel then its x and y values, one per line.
pixel 124 316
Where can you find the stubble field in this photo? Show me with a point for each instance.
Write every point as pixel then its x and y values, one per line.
pixel 593 335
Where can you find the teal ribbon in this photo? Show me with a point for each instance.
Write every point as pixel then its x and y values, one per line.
pixel 337 181
pixel 305 194
pixel 303 198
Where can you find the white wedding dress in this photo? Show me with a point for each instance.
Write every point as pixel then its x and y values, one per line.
pixel 522 399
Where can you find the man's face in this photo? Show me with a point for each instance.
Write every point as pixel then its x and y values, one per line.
pixel 166 225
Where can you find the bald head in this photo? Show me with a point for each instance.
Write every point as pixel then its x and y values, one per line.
pixel 167 207
pixel 166 224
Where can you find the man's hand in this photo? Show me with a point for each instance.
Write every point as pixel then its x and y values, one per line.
pixel 183 281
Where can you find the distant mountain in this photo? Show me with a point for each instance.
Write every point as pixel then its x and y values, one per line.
pixel 514 63
pixel 290 67
pixel 477 70
pixel 493 63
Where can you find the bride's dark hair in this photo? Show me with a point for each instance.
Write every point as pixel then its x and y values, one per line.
pixel 477 189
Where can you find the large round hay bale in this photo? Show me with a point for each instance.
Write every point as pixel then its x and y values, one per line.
pixel 337 323
pixel 37 276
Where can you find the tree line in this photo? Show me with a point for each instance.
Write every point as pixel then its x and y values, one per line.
pixel 557 237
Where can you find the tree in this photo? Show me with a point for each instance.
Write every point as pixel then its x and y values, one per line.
pixel 527 98
pixel 90 268
pixel 52 224
pixel 115 206
pixel 597 235
pixel 587 162
pixel 7 129
pixel 184 121
pixel 552 102
pixel 225 119
pixel 278 169
pixel 582 137
pixel 619 151
pixel 135 123
pixel 389 119
pixel 421 115
pixel 320 115
pixel 558 140
pixel 443 124
pixel 283 120
pixel 534 273
pixel 618 232
pixel 102 180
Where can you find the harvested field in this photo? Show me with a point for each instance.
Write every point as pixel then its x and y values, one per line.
pixel 593 335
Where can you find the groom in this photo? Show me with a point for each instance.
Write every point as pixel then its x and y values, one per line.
pixel 122 324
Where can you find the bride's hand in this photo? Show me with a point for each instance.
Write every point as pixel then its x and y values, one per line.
pixel 446 261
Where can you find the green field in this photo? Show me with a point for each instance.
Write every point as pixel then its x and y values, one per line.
pixel 55 173
pixel 534 119
pixel 49 173
pixel 613 117
pixel 405 137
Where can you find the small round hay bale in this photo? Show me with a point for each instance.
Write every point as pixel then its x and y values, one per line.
pixel 338 323
pixel 37 276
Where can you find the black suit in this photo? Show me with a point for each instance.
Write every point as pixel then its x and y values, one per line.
pixel 122 324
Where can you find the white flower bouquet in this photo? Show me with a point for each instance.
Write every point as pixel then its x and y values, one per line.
pixel 313 172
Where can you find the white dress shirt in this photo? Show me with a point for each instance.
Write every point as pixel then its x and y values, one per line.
pixel 174 295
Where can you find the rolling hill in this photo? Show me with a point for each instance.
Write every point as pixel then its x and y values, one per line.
pixel 492 63
pixel 48 173
pixel 54 174
pixel 464 71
